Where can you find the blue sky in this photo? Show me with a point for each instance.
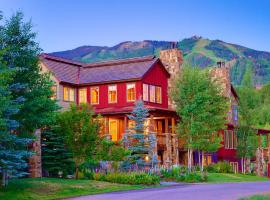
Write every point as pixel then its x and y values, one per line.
pixel 66 24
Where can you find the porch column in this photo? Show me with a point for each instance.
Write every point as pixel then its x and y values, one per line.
pixel 151 130
pixel 106 129
pixel 259 158
pixel 35 166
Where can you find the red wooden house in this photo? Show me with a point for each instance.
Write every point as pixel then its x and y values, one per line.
pixel 112 87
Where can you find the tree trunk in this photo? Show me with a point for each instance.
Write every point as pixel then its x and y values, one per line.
pixel 4 178
pixel 199 154
pixel 76 170
pixel 242 164
pixel 189 159
pixel 202 161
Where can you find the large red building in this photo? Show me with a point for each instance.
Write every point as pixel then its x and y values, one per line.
pixel 112 87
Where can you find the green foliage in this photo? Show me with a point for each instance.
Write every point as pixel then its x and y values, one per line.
pixel 193 177
pixel 81 133
pixel 111 151
pixel 55 156
pixel 29 86
pixel 137 142
pixel 133 178
pixel 220 167
pixel 202 110
pixel 173 172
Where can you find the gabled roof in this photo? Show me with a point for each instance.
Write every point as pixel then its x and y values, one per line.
pixel 108 71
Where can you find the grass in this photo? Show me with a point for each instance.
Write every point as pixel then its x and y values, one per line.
pixel 223 178
pixel 257 197
pixel 52 188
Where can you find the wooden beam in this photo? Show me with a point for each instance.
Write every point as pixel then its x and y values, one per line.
pixel 173 126
pixel 125 123
pixel 166 125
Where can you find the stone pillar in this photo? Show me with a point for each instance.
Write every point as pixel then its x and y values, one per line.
pixel 35 167
pixel 151 129
pixel 172 59
pixel 259 162
pixel 168 154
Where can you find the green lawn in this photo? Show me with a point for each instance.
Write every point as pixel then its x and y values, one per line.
pixel 222 178
pixel 257 197
pixel 51 188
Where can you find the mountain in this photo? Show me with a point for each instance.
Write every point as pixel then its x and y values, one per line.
pixel 197 51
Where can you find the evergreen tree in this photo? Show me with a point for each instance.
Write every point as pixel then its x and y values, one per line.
pixel 202 110
pixel 55 156
pixel 140 143
pixel 29 85
pixel 13 150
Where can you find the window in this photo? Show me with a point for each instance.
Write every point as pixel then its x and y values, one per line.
pixel 112 93
pixel 152 93
pixel 145 92
pixel 54 90
pixel 230 139
pixel 234 166
pixel 82 95
pixel 131 92
pixel 95 95
pixel 158 94
pixel 235 113
pixel 69 94
pixel 113 130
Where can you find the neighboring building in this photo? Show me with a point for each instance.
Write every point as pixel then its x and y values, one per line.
pixel 112 87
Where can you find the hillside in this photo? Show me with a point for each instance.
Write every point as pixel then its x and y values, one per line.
pixel 197 51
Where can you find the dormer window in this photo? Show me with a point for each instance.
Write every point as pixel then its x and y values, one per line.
pixel 112 93
pixel 95 95
pixel 131 94
pixel 69 94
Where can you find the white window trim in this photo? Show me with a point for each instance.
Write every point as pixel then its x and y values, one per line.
pixel 134 92
pixel 147 86
pixel 112 102
pixel 97 87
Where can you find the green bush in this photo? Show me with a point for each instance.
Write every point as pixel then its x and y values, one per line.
pixel 220 167
pixel 192 177
pixel 128 178
pixel 174 172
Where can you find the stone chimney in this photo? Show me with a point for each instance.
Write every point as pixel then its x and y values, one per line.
pixel 222 73
pixel 172 59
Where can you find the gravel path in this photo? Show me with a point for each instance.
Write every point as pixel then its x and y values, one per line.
pixel 224 191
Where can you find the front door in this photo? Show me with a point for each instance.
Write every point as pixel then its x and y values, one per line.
pixel 113 129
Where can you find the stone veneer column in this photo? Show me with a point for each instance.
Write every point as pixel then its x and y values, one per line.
pixel 35 168
pixel 172 59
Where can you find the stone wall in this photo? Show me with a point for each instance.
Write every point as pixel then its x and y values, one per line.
pixel 35 167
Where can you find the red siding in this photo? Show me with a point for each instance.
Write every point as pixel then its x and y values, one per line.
pixel 156 76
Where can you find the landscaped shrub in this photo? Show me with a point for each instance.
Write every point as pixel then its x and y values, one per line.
pixel 174 172
pixel 220 167
pixel 192 177
pixel 132 178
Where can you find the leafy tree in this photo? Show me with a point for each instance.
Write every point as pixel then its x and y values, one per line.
pixel 202 110
pixel 30 86
pixel 13 150
pixel 140 143
pixel 55 156
pixel 80 130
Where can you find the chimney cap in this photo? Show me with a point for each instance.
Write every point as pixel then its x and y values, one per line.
pixel 221 64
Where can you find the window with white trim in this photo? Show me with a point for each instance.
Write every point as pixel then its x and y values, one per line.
pixel 82 95
pixel 145 92
pixel 112 93
pixel 68 94
pixel 131 92
pixel 152 93
pixel 158 95
pixel 95 95
pixel 230 139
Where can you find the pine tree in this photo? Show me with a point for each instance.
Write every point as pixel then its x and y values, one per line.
pixel 55 155
pixel 13 150
pixel 29 85
pixel 140 143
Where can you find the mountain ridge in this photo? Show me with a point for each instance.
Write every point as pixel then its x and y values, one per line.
pixel 197 51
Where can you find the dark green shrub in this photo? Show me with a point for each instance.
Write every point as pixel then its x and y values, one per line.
pixel 192 177
pixel 128 178
pixel 220 167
